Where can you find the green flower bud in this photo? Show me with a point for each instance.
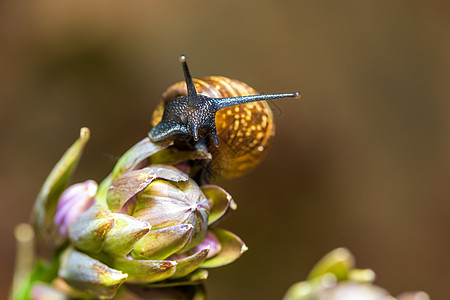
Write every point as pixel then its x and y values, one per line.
pixel 414 296
pixel 165 203
pixel 353 290
pixel 338 262
pixel 148 225
pixel 335 278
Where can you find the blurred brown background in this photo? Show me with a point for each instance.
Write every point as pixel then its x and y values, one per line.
pixel 362 161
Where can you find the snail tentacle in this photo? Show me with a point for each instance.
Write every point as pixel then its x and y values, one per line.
pixel 195 114
pixel 192 92
pixel 221 103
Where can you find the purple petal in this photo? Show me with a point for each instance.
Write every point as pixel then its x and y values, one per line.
pixel 75 200
pixel 210 241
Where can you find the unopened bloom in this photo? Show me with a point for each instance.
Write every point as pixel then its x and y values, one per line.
pixel 335 277
pixel 75 200
pixel 145 224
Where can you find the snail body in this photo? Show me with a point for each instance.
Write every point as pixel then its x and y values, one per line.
pixel 234 114
pixel 244 131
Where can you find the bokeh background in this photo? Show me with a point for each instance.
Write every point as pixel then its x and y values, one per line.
pixel 362 161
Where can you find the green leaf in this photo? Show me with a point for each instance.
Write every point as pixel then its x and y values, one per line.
pixel 47 200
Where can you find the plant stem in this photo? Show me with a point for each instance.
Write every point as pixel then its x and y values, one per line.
pixel 24 235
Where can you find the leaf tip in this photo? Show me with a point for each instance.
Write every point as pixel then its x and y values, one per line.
pixel 85 134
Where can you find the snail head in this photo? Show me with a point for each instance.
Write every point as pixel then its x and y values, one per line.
pixel 194 114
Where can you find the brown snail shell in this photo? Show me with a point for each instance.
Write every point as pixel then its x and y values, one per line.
pixel 245 131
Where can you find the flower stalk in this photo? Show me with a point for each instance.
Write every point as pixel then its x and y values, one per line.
pixel 24 236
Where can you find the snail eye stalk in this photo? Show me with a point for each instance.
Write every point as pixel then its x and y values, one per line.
pixel 195 114
pixel 192 92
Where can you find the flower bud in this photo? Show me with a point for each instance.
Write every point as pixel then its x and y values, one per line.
pixel 164 204
pixel 353 290
pixel 75 200
pixel 145 224
pixel 335 277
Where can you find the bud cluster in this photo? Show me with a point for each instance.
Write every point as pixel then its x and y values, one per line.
pixel 147 226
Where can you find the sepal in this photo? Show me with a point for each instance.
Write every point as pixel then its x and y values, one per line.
pixel 126 232
pixel 89 275
pixel 89 232
pixel 161 243
pixel 220 200
pixel 58 179
pixel 145 271
pixel 338 262
pixel 232 248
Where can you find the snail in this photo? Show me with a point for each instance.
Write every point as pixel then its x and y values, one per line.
pixel 238 119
